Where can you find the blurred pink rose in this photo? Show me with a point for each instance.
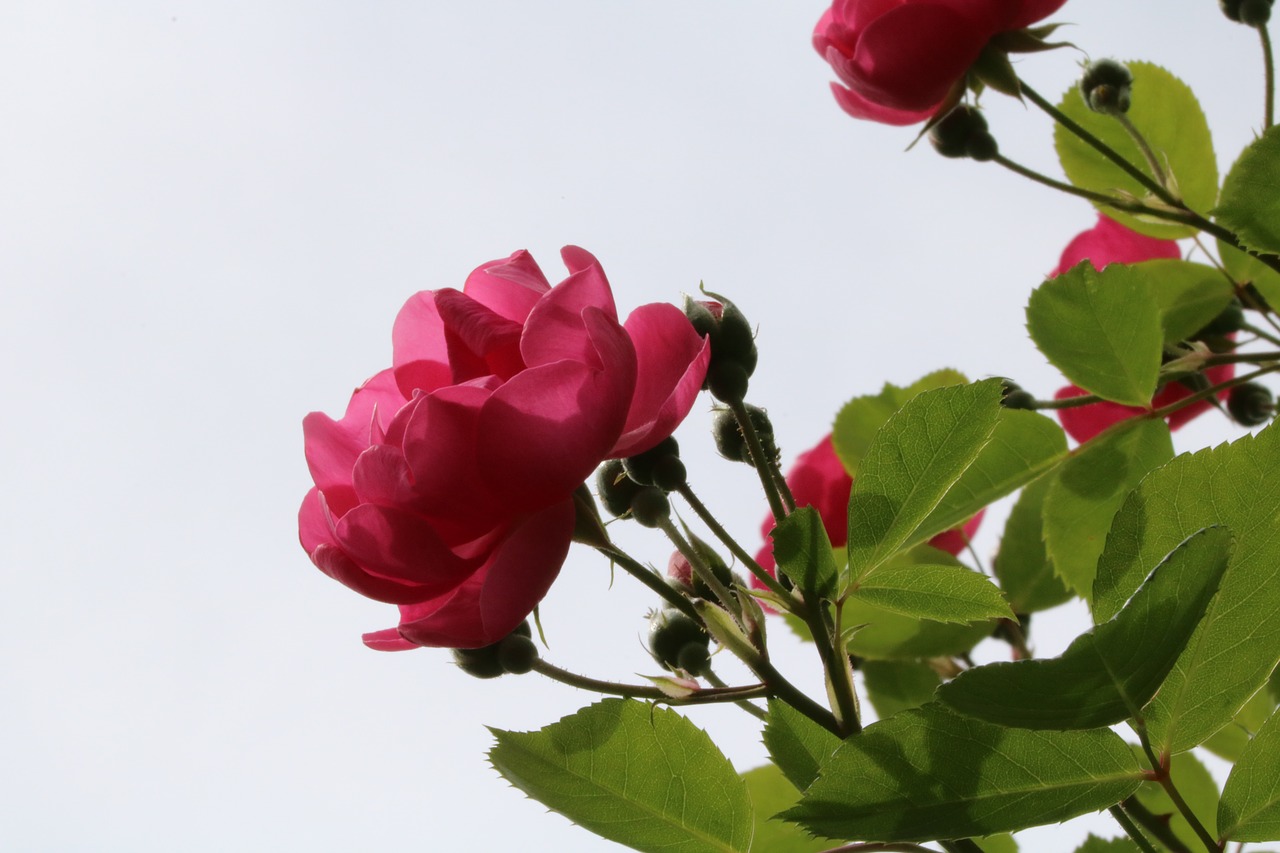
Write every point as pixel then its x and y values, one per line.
pixel 447 486
pixel 900 60
pixel 818 479
pixel 1109 242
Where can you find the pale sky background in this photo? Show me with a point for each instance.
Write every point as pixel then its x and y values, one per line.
pixel 209 216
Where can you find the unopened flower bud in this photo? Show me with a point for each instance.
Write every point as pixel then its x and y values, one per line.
pixel 516 650
pixel 1107 86
pixel 729 438
pixel 616 489
pixel 1231 319
pixel 1251 404
pixel 728 381
pixel 1253 13
pixel 730 333
pixel 963 133
pixel 681 574
pixel 678 642
pixel 650 506
pixel 658 466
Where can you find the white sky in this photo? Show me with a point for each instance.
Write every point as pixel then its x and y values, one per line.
pixel 210 213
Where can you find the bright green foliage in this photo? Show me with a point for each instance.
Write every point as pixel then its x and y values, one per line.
pixel 1250 202
pixel 915 458
pixel 928 773
pixel 1023 445
pixel 894 686
pixel 888 635
pixel 1107 674
pixel 1250 807
pixel 771 793
pixel 1167 114
pixel 860 418
pixel 634 773
pixel 1189 295
pixel 1196 786
pixel 1247 269
pixel 1101 329
pixel 1237 645
pixel 1002 843
pixel 1230 740
pixel 1088 490
pixel 797 744
pixel 1023 567
pixel 943 593
pixel 803 552
pixel 1094 844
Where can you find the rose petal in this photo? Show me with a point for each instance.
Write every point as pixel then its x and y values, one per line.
pixel 388 640
pixel 391 543
pixel 911 56
pixel 1084 422
pixel 1109 242
pixel 555 329
pixel 480 341
pixel 420 354
pixel 331 560
pixel 510 287
pixel 331 447
pixel 859 107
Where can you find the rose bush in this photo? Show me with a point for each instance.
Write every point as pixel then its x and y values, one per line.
pixel 447 487
pixel 1109 242
pixel 818 479
pixel 900 60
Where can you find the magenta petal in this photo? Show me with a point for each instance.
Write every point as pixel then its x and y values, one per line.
pixel 910 57
pixel 671 362
pixel 331 560
pixel 420 354
pixel 555 329
pixel 498 597
pixel 381 476
pixel 388 640
pixel 391 543
pixel 860 108
pixel 1084 422
pixel 1109 242
pixel 480 342
pixel 313 522
pixel 510 287
pixel 331 446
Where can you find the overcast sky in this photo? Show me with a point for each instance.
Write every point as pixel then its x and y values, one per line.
pixel 209 216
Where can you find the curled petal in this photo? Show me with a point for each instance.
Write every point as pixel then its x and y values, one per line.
pixel 331 446
pixel 556 327
pixel 381 476
pixel 331 560
pixel 399 546
pixel 480 342
pixel 388 640
pixel 420 353
pixel 509 287
pixel 498 596
pixel 859 107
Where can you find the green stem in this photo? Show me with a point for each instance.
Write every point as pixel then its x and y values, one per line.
pixel 718 682
pixel 705 696
pixel 1145 149
pixel 1131 829
pixel 1165 779
pixel 835 659
pixel 701 569
pixel 1261 333
pixel 717 529
pixel 651 579
pixel 764 466
pixel 1157 825
pixel 1262 358
pixel 1269 64
pixel 1212 391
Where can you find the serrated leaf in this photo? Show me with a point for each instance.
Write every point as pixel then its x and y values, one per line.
pixel 1237 645
pixel 1247 269
pixel 1109 673
pixel 1197 788
pixel 1089 489
pixel 1003 843
pixel 1230 740
pixel 1250 805
pixel 1094 844
pixel 927 773
pixel 634 773
pixel 1022 447
pixel 1167 114
pixel 803 553
pixel 894 686
pixel 1101 329
pixel 1189 295
pixel 942 593
pixel 797 744
pixel 1250 200
pixel 915 458
pixel 771 793
pixel 859 419
pixel 1022 566
pixel 887 635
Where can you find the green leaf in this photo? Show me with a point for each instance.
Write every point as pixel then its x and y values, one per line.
pixel 1109 673
pixel 1250 806
pixel 1247 269
pixel 860 418
pixel 1250 200
pixel 1022 447
pixel 1101 329
pixel 894 686
pixel 1230 740
pixel 1088 491
pixel 915 458
pixel 942 593
pixel 1189 295
pixel 634 773
pixel 1094 844
pixel 772 793
pixel 888 635
pixel 1197 788
pixel 1022 566
pixel 1169 117
pixel 1003 843
pixel 797 744
pixel 1237 645
pixel 803 552
pixel 927 773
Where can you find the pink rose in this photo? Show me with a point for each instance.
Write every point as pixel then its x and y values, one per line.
pixel 1109 242
pixel 818 479
pixel 900 60
pixel 447 487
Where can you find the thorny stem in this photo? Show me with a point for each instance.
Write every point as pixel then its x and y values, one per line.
pixel 1269 64
pixel 718 682
pixel 1261 333
pixel 836 662
pixel 717 529
pixel 651 579
pixel 705 696
pixel 1143 146
pixel 702 570
pixel 1211 391
pixel 764 466
pixel 1131 829
pixel 1160 766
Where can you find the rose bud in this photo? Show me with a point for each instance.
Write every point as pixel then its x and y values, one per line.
pixel 729 438
pixel 680 571
pixel 1251 404
pixel 1107 86
pixel 658 466
pixel 677 642
pixel 728 330
pixel 615 488
pixel 963 133
pixel 1253 13
pixel 495 659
